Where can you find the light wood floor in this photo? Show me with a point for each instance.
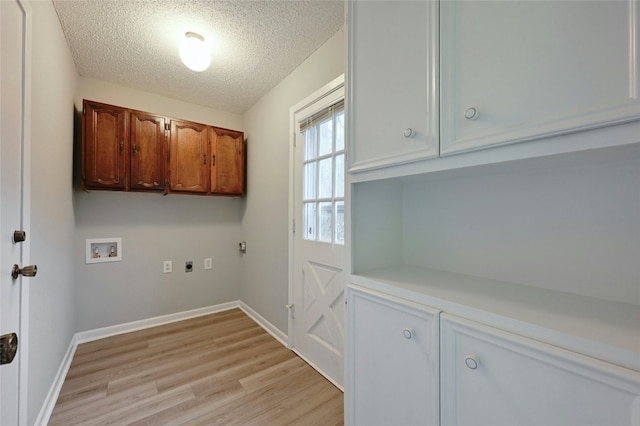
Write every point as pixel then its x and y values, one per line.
pixel 219 369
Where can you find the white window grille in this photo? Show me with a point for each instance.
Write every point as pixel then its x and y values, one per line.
pixel 323 175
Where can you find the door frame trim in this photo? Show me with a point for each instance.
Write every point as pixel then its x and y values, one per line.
pixel 26 212
pixel 323 92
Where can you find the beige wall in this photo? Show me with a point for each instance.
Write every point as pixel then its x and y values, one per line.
pixel 265 222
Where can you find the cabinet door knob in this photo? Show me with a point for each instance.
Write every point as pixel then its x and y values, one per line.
pixel 408 333
pixel 408 132
pixel 471 114
pixel 472 361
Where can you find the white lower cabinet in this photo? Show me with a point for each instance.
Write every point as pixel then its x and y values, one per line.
pixel 404 359
pixel 490 377
pixel 392 362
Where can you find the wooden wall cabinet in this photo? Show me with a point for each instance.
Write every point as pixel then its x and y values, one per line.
pixel 129 150
pixel 227 162
pixel 148 151
pixel 105 142
pixel 188 157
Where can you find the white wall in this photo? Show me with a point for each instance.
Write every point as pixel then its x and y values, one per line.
pixel 155 228
pixel 52 292
pixel 265 223
pixel 568 227
pixel 102 91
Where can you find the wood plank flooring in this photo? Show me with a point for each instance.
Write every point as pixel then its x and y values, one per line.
pixel 219 369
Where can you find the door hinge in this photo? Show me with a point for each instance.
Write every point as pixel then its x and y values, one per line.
pixel 293 229
pixel 84 111
pixel 167 126
pixel 294 139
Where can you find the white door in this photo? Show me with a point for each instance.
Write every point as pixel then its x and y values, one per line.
pixel 12 124
pixel 317 280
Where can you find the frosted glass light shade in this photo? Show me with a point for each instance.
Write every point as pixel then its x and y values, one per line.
pixel 195 54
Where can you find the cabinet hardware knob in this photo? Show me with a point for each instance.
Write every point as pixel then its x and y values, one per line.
pixel 121 147
pixel 472 361
pixel 408 132
pixel 471 114
pixel 408 333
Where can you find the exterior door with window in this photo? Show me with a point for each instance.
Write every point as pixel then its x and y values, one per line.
pixel 318 277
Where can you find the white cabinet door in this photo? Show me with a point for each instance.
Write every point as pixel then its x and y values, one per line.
pixel 392 362
pixel 521 70
pixel 490 377
pixel 393 99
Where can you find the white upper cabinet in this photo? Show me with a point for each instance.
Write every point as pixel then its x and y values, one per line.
pixel 513 71
pixel 393 96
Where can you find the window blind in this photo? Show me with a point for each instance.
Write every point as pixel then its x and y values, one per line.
pixel 321 115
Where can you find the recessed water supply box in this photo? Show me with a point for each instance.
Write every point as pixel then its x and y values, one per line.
pixel 101 250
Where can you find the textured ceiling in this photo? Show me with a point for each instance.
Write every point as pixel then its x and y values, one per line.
pixel 254 44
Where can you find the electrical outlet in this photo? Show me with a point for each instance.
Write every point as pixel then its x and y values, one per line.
pixel 167 267
pixel 208 263
pixel 188 266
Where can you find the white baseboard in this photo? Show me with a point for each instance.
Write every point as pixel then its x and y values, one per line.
pixel 269 328
pixel 101 333
pixel 319 370
pixel 56 386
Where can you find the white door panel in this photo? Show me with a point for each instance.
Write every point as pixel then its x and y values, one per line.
pixel 491 377
pixel 317 276
pixel 12 118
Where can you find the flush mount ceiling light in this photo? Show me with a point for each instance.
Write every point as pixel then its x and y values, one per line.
pixel 194 52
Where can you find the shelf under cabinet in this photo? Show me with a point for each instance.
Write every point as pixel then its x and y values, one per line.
pixel 602 329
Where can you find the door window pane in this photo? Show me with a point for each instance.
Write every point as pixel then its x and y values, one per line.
pixel 340 131
pixel 339 225
pixel 326 137
pixel 309 226
pixel 325 178
pixel 309 181
pixel 339 185
pixel 310 145
pixel 325 222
